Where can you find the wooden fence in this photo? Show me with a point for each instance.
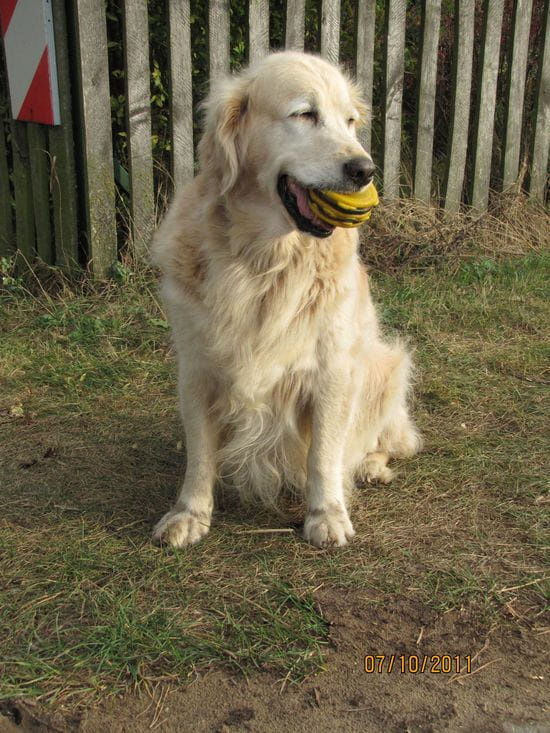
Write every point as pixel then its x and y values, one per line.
pixel 58 196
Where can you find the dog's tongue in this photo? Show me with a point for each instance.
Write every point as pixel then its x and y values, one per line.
pixel 303 205
pixel 301 199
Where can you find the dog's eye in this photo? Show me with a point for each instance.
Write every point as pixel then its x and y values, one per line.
pixel 351 121
pixel 311 115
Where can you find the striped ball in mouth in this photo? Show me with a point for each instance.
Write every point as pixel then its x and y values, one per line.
pixel 319 212
pixel 343 209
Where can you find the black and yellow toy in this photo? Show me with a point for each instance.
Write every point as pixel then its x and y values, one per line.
pixel 343 209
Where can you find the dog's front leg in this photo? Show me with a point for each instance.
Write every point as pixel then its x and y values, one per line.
pixel 327 522
pixel 189 520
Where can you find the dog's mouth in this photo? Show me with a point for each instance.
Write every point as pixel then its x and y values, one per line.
pixel 295 200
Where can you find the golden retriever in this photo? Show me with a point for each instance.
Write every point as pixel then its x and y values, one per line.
pixel 284 380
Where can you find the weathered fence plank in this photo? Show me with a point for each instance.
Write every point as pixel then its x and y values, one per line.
pixel 295 24
pixel 258 29
pixel 395 50
pixel 330 30
pixel 6 224
pixel 464 44
pixel 218 37
pixel 38 158
pixel 486 104
pixel 364 66
pixel 138 104
pixel 426 101
pixel 541 139
pixel 516 90
pixel 22 185
pixel 97 148
pixel 181 96
pixel 62 157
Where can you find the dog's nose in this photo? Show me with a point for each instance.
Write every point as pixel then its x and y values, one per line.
pixel 359 171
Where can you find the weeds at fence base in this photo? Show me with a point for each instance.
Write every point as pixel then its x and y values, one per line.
pixel 409 233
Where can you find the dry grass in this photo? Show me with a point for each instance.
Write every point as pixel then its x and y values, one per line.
pixel 91 456
pixel 409 233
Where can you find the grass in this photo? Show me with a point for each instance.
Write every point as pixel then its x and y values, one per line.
pixel 91 455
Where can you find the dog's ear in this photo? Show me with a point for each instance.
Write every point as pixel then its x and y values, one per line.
pixel 221 146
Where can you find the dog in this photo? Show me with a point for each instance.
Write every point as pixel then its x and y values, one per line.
pixel 284 379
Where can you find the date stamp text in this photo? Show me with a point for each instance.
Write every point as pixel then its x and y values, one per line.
pixel 417 663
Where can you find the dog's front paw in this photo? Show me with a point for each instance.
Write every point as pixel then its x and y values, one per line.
pixel 330 527
pixel 179 528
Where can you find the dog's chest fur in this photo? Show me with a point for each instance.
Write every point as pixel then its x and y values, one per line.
pixel 266 323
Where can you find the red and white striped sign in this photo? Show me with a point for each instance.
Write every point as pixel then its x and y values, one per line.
pixel 27 30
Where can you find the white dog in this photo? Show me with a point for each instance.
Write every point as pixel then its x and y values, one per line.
pixel 283 377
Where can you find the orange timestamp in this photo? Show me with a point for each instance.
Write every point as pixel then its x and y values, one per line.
pixel 417 663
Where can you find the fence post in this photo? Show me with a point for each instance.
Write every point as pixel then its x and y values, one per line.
pixel 258 29
pixel 462 82
pixel 330 30
pixel 62 154
pixel 97 147
pixel 426 101
pixel 516 90
pixel 486 104
pixel 218 37
pixel 364 63
pixel 181 91
pixel 395 59
pixel 138 105
pixel 6 226
pixel 38 158
pixel 295 24
pixel 22 185
pixel 541 139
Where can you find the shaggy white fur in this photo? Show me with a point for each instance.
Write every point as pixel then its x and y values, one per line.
pixel 283 376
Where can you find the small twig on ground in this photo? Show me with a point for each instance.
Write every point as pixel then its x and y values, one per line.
pixel 460 677
pixel 266 531
pixel 533 380
pixel 524 585
pixel 159 704
pixel 285 682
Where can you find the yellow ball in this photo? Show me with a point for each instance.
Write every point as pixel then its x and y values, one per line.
pixel 343 209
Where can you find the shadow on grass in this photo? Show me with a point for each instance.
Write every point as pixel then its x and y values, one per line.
pixel 122 471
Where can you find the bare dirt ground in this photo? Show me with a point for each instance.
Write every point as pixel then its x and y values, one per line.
pixel 506 690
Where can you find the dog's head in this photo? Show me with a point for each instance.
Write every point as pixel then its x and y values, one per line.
pixel 286 125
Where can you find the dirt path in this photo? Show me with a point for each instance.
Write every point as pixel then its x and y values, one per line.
pixel 507 690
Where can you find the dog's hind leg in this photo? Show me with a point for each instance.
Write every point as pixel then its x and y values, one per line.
pixel 386 409
pixel 189 520
pixel 400 438
pixel 375 467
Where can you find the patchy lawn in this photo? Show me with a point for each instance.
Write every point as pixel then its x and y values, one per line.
pixel 91 453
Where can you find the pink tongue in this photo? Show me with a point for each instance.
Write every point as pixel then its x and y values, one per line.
pixel 303 205
pixel 301 199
